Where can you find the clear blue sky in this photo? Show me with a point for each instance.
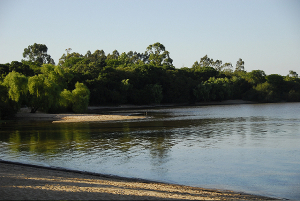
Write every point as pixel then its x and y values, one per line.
pixel 264 33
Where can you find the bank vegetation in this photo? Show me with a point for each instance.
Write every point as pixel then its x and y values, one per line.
pixel 96 79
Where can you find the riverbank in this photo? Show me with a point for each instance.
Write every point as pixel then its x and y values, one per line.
pixel 108 113
pixel 24 114
pixel 27 182
pixel 140 107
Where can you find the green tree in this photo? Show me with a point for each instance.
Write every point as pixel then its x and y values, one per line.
pixel 213 89
pixel 157 93
pixel 13 93
pixel 44 93
pixel 21 68
pixel 80 98
pixel 202 91
pixel 204 62
pixel 38 53
pixel 293 74
pixel 16 84
pixel 4 70
pixel 257 77
pixel 208 62
pixel 275 80
pixel 8 107
pixel 66 99
pixel 57 74
pixel 115 55
pixel 240 65
pixel 158 55
pixel 266 93
pixel 69 60
pixel 98 57
pixel 204 73
pixel 226 68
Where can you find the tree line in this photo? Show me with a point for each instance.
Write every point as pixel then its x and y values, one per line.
pixel 131 78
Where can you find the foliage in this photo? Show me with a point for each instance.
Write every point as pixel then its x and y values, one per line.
pixel 257 77
pixel 38 53
pixel 214 89
pixel 66 99
pixel 44 93
pixel 240 65
pixel 80 98
pixel 158 55
pixel 16 85
pixel 4 70
pixel 131 78
pixel 8 107
pixel 22 68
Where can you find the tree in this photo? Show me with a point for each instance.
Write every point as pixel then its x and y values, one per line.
pixel 240 65
pixel 213 89
pixel 8 107
pixel 275 80
pixel 257 77
pixel 115 55
pixel 204 73
pixel 13 93
pixel 98 57
pixel 44 92
pixel 38 53
pixel 157 93
pixel 217 65
pixel 16 84
pixel 66 99
pixel 21 68
pixel 293 75
pixel 206 62
pixel 4 70
pixel 80 98
pixel 202 91
pixel 57 74
pixel 70 59
pixel 158 55
pixel 227 68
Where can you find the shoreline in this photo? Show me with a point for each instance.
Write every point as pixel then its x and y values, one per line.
pixel 25 115
pixel 30 182
pixel 108 113
pixel 140 107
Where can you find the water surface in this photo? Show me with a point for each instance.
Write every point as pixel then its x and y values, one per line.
pixel 253 148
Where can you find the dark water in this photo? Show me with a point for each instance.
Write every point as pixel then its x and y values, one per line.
pixel 249 148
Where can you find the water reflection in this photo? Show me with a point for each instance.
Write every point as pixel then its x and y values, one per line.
pixel 192 146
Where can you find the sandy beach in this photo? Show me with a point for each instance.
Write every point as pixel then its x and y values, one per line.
pixel 23 182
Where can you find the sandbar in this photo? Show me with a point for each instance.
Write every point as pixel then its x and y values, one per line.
pixel 25 115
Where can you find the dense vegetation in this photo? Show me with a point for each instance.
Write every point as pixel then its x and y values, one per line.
pixel 130 78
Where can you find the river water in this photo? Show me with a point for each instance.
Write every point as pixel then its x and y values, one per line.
pixel 252 148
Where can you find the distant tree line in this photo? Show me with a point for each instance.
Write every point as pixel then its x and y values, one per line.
pixel 131 78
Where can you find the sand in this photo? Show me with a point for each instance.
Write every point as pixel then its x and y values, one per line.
pixel 22 182
pixel 24 114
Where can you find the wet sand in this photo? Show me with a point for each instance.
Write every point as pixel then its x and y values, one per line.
pixel 23 182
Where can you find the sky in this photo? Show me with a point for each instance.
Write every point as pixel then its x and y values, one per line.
pixel 265 34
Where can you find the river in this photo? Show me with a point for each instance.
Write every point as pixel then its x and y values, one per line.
pixel 252 148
